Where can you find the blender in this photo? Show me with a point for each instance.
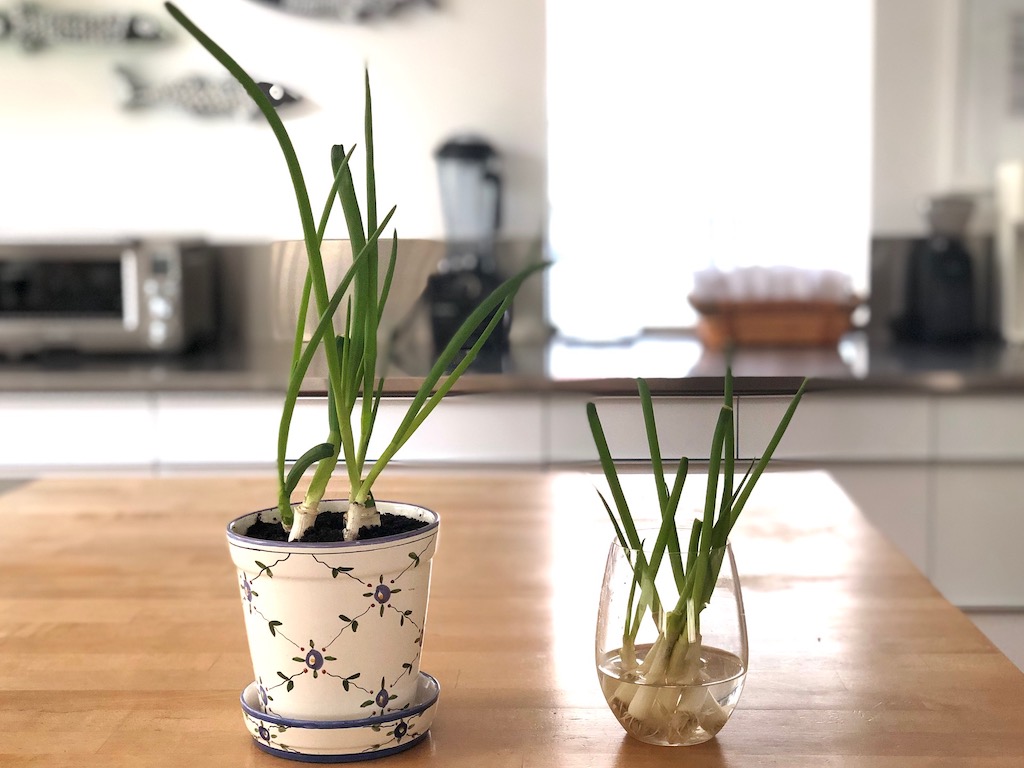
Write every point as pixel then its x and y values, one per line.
pixel 470 187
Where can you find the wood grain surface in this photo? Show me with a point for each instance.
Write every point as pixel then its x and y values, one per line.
pixel 122 645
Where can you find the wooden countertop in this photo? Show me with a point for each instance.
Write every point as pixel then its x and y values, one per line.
pixel 122 645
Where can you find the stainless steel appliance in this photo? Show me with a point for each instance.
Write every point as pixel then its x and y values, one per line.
pixel 113 297
pixel 471 205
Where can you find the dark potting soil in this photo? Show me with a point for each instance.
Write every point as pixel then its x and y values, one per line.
pixel 330 526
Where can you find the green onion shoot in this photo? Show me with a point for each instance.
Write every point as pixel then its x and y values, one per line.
pixel 348 316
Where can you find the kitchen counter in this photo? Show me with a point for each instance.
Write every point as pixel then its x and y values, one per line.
pixel 673 364
pixel 123 645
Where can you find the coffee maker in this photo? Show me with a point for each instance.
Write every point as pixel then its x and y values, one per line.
pixel 470 185
pixel 940 280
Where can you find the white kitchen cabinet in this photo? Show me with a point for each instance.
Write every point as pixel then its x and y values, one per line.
pixel 211 428
pixel 68 431
pixel 468 429
pixel 978 500
pixel 685 426
pixel 241 430
pixel 950 492
pixel 895 499
pixel 978 428
pixel 834 427
pixel 978 534
pixel 875 446
pixel 941 475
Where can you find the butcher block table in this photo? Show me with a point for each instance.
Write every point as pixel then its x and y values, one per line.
pixel 122 644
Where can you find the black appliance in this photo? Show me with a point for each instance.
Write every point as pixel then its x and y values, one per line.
pixel 940 282
pixel 471 205
pixel 940 292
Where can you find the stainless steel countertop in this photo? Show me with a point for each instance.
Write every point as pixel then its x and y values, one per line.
pixel 672 364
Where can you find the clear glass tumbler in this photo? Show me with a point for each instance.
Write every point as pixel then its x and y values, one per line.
pixel 671 665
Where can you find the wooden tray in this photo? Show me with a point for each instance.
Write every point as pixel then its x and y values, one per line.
pixel 773 323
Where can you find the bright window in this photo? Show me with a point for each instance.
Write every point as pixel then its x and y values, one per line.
pixel 687 134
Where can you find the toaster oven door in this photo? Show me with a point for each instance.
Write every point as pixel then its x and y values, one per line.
pixel 80 298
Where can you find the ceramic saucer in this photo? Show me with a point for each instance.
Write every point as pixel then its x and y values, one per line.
pixel 341 741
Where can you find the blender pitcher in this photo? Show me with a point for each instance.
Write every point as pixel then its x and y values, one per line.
pixel 470 200
pixel 470 189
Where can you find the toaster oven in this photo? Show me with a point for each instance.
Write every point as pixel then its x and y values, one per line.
pixel 117 297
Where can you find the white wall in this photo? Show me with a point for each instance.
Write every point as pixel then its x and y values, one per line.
pixel 728 134
pixel 916 53
pixel 74 164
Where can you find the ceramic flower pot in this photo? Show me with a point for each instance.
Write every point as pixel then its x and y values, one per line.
pixel 335 629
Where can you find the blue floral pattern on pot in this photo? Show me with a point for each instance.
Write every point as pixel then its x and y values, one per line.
pixel 336 630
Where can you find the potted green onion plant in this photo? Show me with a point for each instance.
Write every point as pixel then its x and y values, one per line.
pixel 671 646
pixel 334 592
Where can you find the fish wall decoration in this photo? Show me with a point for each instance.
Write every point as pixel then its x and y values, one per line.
pixel 347 10
pixel 201 95
pixel 35 27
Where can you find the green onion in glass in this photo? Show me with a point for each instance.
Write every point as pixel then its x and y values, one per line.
pixel 674 657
